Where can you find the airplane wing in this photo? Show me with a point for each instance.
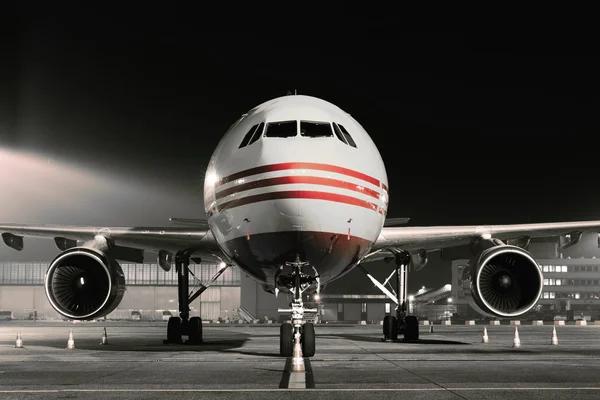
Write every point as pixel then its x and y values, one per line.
pixel 455 240
pixel 130 242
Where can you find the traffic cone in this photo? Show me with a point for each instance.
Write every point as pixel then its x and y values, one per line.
pixel 516 340
pixel 485 338
pixel 104 337
pixel 431 328
pixel 19 342
pixel 554 340
pixel 70 342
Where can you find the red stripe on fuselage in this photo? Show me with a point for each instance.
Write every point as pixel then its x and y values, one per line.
pixel 297 165
pixel 298 179
pixel 298 194
pixel 384 187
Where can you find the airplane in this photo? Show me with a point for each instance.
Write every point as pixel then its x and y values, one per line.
pixel 295 195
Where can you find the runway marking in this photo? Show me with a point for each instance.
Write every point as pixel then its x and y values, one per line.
pixel 297 380
pixel 438 389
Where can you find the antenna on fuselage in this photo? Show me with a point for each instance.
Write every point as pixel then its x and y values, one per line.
pixel 289 93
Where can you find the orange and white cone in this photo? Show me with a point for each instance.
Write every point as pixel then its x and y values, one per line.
pixel 70 342
pixel 104 337
pixel 485 338
pixel 516 340
pixel 19 342
pixel 554 340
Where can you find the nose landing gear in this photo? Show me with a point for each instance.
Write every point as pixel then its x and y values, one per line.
pixel 298 332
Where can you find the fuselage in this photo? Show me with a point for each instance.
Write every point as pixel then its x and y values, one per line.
pixel 296 176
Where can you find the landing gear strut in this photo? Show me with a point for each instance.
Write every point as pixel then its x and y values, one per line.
pixel 401 323
pixel 298 332
pixel 184 325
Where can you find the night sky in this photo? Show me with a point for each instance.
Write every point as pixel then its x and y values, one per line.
pixel 489 129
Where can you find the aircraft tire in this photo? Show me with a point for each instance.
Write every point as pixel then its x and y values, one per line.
pixel 286 340
pixel 411 328
pixel 308 340
pixel 195 330
pixel 390 328
pixel 174 330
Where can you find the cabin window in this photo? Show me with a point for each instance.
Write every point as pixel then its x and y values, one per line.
pixel 339 133
pixel 282 129
pixel 248 136
pixel 258 133
pixel 347 136
pixel 315 129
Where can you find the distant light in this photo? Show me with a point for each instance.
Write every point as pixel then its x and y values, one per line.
pixel 449 299
pixel 82 281
pixel 411 297
pixel 423 287
pixel 222 265
pixel 317 297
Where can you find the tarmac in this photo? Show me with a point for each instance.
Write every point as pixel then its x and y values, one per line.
pixel 242 361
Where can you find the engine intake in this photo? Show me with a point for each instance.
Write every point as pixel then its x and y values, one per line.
pixel 84 283
pixel 506 281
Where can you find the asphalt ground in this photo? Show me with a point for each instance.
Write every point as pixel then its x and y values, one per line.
pixel 351 362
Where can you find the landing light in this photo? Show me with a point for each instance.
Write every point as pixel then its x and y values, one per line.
pixel 317 297
pixel 82 281
pixel 411 297
pixel 211 179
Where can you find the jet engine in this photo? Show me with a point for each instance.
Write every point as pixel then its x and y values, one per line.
pixel 505 281
pixel 84 282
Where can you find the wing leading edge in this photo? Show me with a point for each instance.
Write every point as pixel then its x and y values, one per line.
pixel 144 238
pixel 432 238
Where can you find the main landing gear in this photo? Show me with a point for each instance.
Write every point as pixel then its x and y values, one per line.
pixel 184 325
pixel 298 332
pixel 401 323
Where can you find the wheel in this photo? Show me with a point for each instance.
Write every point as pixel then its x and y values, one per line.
pixel 195 330
pixel 174 330
pixel 307 339
pixel 390 328
pixel 411 328
pixel 286 340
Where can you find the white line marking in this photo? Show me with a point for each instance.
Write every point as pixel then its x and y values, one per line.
pixel 297 380
pixel 439 389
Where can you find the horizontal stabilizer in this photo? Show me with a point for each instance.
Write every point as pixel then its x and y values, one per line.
pixel 13 241
pixel 391 222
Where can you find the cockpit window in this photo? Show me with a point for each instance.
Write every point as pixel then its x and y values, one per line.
pixel 315 129
pixel 258 133
pixel 347 136
pixel 339 133
pixel 248 136
pixel 282 129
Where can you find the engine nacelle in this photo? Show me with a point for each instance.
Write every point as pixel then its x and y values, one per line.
pixel 84 283
pixel 505 281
